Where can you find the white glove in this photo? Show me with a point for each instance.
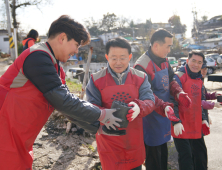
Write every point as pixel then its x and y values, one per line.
pixel 217 104
pixel 108 119
pixel 134 112
pixel 217 94
pixel 205 122
pixel 210 120
pixel 178 129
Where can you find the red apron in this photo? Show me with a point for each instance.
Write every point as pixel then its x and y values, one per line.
pixel 121 152
pixel 23 112
pixel 191 118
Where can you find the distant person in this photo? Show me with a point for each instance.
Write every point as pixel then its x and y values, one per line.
pixel 32 87
pixel 30 39
pixel 206 104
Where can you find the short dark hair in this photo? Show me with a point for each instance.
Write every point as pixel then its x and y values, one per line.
pixel 118 42
pixel 196 52
pixel 32 34
pixel 71 28
pixel 160 35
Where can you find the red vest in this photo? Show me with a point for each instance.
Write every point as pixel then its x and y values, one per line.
pixel 121 152
pixel 23 113
pixel 191 118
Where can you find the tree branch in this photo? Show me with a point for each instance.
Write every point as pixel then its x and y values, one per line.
pixel 24 4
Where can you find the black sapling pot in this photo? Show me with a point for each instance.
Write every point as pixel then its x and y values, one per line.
pixel 121 113
pixel 219 98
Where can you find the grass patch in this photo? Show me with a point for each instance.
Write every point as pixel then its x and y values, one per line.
pixel 74 86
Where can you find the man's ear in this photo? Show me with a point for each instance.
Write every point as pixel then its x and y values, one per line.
pixel 130 56
pixel 107 57
pixel 62 37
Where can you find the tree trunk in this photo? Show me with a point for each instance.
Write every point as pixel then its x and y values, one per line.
pixel 15 24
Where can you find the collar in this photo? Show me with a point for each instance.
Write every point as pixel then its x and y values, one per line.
pixel 117 75
pixel 192 74
pixel 157 60
pixel 57 61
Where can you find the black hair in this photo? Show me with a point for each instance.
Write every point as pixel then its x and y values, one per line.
pixel 32 34
pixel 160 35
pixel 71 28
pixel 118 42
pixel 196 52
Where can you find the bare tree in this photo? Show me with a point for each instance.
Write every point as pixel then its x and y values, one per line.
pixel 109 22
pixel 15 4
pixel 122 22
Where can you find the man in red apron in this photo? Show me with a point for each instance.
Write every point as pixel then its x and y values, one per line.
pixel 192 151
pixel 156 128
pixel 33 86
pixel 120 82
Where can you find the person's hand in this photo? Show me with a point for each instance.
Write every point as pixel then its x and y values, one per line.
pixel 134 112
pixel 210 120
pixel 218 104
pixel 170 114
pixel 108 119
pixel 184 99
pixel 205 127
pixel 178 129
pixel 217 94
pixel 110 132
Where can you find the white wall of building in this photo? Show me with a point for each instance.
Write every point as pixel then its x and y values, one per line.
pixel 4 43
pixel 107 36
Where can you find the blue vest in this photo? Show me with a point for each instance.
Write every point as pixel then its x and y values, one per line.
pixel 156 128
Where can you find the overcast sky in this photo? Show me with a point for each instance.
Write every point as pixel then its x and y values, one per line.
pixel 138 10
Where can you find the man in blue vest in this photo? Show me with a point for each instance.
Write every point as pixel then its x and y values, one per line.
pixel 157 130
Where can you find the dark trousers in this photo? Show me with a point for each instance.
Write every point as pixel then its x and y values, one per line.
pixel 156 157
pixel 192 154
pixel 137 168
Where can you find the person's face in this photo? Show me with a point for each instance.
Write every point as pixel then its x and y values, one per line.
pixel 195 63
pixel 204 72
pixel 162 49
pixel 68 48
pixel 118 59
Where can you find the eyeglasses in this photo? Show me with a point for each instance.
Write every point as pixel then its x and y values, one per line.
pixel 122 59
pixel 197 62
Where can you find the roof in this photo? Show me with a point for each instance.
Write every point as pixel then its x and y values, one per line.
pixel 212 40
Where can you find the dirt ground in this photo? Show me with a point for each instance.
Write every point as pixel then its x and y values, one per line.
pixel 54 149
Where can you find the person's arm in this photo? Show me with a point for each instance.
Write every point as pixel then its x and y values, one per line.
pixel 170 73
pixel 210 96
pixel 175 102
pixel 149 77
pixel 204 116
pixel 207 104
pixel 39 69
pixel 93 95
pixel 160 105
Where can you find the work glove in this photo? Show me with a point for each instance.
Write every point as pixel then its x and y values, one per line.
pixel 170 114
pixel 110 132
pixel 218 104
pixel 134 112
pixel 178 129
pixel 217 94
pixel 108 119
pixel 210 120
pixel 205 127
pixel 184 99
